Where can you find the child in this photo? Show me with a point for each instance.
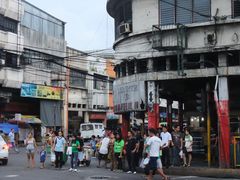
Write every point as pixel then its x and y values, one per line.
pixel 43 155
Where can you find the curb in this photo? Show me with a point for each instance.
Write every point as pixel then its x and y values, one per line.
pixel 204 172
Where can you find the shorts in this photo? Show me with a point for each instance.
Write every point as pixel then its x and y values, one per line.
pixel 30 151
pixel 42 159
pixel 102 156
pixel 153 163
pixel 159 163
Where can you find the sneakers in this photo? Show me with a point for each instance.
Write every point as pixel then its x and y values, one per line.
pixel 74 170
pixel 134 172
pixel 129 172
pixel 71 169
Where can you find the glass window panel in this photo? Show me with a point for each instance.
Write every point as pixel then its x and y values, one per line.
pixel 184 11
pixel 202 7
pixel 236 8
pixel 167 12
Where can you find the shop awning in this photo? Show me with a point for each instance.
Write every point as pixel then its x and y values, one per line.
pixel 97 116
pixel 6 127
pixel 27 120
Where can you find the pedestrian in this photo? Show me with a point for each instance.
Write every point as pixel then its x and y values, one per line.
pixel 31 146
pixel 43 155
pixel 187 152
pixel 166 141
pixel 75 145
pixel 177 143
pixel 154 144
pixel 11 137
pixel 93 143
pixel 140 148
pixel 111 151
pixel 59 148
pixel 118 150
pixel 80 149
pixel 103 151
pixel 131 151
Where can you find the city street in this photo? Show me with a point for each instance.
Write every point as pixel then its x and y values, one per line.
pixel 17 170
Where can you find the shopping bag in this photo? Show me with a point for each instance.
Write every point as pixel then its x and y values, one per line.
pixel 69 151
pixel 181 154
pixel 146 161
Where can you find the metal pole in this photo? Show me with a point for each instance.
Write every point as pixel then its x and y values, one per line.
pixel 208 125
pixel 54 116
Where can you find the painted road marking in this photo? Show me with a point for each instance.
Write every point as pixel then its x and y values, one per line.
pixel 11 176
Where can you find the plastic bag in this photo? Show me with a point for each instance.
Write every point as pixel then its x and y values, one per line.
pixel 181 154
pixel 146 161
pixel 69 150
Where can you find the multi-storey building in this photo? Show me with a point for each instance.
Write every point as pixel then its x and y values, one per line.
pixel 179 50
pixel 89 92
pixel 32 56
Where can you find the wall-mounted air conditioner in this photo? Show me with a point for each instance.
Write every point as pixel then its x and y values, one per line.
pixel 210 39
pixel 125 28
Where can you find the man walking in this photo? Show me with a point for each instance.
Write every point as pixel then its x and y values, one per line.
pixel 177 139
pixel 103 151
pixel 155 162
pixel 166 141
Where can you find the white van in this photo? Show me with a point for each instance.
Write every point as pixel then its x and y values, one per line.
pixel 89 129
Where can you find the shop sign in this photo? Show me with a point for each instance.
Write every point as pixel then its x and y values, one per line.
pixel 129 97
pixel 40 91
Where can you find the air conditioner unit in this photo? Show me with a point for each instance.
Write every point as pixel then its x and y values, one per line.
pixel 2 62
pixel 125 28
pixel 210 39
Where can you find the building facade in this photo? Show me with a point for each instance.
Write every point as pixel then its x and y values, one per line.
pixel 32 54
pixel 179 50
pixel 89 94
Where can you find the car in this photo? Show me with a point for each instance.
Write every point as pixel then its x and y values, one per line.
pixel 4 151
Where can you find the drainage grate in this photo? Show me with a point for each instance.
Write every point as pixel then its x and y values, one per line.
pixel 100 177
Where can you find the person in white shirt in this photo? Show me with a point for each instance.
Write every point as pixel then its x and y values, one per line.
pixel 166 142
pixel 11 136
pixel 154 144
pixel 103 151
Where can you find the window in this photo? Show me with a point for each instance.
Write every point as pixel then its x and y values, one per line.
pixel 184 11
pixel 100 82
pixel 40 21
pixel 11 60
pixel 123 15
pixel 7 24
pixel 236 8
pixel 87 127
pixel 77 79
pixel 79 106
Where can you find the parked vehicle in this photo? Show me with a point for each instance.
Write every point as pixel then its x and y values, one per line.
pixel 4 151
pixel 89 129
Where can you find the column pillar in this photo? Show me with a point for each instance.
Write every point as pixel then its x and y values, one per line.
pixel 153 105
pixel 169 113
pixel 222 104
pixel 150 65
pixel 135 66
pixel 125 125
pixel 168 64
pixel 126 66
pixel 180 114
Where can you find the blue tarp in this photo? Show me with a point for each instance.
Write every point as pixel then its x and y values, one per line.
pixel 6 128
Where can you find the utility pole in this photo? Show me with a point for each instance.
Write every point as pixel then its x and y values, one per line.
pixel 208 125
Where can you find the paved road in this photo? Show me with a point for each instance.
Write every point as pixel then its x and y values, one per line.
pixel 17 170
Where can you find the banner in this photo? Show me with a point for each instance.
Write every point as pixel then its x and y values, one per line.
pixel 40 91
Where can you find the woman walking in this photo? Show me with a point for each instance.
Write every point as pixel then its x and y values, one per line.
pixel 59 148
pixel 74 156
pixel 118 150
pixel 187 152
pixel 31 146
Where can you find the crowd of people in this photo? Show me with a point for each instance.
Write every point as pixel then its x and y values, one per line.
pixel 152 151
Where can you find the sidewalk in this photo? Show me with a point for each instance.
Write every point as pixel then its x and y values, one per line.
pixel 204 172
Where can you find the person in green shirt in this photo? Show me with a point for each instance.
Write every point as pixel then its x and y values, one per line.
pixel 118 150
pixel 74 156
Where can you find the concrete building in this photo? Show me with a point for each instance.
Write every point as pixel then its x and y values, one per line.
pixel 89 92
pixel 179 50
pixel 32 54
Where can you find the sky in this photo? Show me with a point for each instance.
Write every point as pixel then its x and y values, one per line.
pixel 89 27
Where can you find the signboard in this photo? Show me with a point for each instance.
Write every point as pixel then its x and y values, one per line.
pixel 40 91
pixel 129 97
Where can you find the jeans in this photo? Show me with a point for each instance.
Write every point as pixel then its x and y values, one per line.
pixel 74 159
pixel 166 157
pixel 131 157
pixel 59 159
pixel 176 157
pixel 119 161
